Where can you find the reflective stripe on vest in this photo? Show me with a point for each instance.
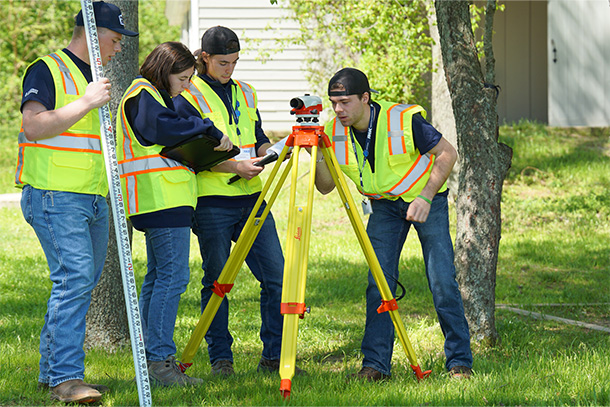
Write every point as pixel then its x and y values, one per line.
pixel 248 93
pixel 199 98
pixel 135 87
pixel 340 142
pixel 396 141
pixel 68 80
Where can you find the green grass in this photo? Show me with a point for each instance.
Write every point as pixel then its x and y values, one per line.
pixel 554 250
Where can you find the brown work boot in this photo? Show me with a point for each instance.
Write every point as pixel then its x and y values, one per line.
pixel 369 374
pixel 273 366
pixel 75 391
pixel 167 373
pixel 99 387
pixel 460 372
pixel 223 368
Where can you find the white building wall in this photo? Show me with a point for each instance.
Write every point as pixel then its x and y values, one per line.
pixel 579 56
pixel 258 24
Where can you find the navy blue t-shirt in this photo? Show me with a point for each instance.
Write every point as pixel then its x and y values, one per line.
pixel 38 82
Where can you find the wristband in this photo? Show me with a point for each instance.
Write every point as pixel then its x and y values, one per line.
pixel 425 199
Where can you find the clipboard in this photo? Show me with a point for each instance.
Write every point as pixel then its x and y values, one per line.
pixel 198 152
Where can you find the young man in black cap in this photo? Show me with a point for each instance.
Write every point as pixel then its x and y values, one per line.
pixel 223 208
pixel 399 163
pixel 61 171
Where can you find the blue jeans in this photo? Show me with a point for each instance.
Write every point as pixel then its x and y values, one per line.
pixel 167 252
pixel 73 232
pixel 387 229
pixel 215 228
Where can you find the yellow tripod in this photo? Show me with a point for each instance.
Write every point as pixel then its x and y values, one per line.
pixel 309 135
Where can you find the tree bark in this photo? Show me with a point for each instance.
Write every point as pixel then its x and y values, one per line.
pixel 483 165
pixel 107 325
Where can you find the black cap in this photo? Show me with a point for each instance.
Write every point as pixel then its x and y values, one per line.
pixel 354 82
pixel 108 16
pixel 219 40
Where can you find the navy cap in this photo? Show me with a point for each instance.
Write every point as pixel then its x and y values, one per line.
pixel 219 40
pixel 354 82
pixel 108 16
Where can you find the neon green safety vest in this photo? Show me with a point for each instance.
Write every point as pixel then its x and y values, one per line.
pixel 400 170
pixel 71 161
pixel 209 105
pixel 149 181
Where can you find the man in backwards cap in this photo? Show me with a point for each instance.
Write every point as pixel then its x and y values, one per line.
pixel 61 171
pixel 399 163
pixel 223 208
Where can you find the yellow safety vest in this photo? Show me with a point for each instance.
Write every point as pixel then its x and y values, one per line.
pixel 149 181
pixel 71 161
pixel 209 105
pixel 400 170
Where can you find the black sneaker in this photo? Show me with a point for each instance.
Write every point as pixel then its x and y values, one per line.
pixel 273 366
pixel 223 368
pixel 370 374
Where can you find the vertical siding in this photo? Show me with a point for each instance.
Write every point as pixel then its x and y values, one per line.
pixel 520 51
pixel 280 77
pixel 579 79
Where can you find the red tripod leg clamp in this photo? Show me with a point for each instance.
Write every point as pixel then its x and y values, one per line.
pixel 293 308
pixel 387 306
pixel 221 289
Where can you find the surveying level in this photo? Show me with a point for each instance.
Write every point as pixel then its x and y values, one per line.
pixel 309 134
pixel 118 214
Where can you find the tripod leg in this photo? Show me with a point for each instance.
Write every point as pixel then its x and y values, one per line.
pixel 229 272
pixel 295 275
pixel 388 302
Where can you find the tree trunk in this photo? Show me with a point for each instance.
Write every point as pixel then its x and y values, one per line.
pixel 483 165
pixel 107 325
pixel 441 112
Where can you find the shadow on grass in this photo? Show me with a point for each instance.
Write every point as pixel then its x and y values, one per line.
pixel 583 145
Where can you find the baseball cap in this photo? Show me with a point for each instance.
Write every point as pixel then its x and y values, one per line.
pixel 219 40
pixel 353 80
pixel 108 16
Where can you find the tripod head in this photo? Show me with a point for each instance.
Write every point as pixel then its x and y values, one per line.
pixel 307 109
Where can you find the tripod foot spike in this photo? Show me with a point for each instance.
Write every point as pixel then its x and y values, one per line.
pixel 419 374
pixel 285 386
pixel 183 366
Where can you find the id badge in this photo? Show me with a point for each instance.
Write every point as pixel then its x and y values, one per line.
pixel 367 208
pixel 244 154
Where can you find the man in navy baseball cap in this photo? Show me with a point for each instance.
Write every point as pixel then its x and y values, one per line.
pixel 50 161
pixel 107 15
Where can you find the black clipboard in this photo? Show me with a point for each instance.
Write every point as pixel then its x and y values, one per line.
pixel 198 152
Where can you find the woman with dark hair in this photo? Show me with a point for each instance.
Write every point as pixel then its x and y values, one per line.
pixel 160 195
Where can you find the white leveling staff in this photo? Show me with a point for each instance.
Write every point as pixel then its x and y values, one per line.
pixel 118 213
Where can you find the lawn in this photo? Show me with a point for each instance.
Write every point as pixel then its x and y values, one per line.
pixel 554 260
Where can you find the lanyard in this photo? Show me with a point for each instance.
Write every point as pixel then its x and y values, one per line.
pixel 234 111
pixel 365 151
